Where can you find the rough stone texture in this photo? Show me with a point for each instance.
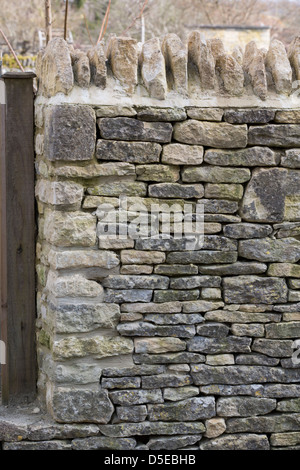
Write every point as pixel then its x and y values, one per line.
pixel 279 64
pixel 252 156
pixel 245 406
pixel 268 249
pixel 153 69
pixel 122 54
pixel 133 129
pixel 214 427
pixel 98 72
pixel 176 62
pixel 81 68
pixel 70 132
pixel 201 57
pixel 254 67
pixel 192 409
pixel 254 289
pixel 180 154
pixel 237 442
pixel 70 229
pixel 131 152
pixel 279 135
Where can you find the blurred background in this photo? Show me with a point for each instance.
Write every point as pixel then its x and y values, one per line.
pixel 235 21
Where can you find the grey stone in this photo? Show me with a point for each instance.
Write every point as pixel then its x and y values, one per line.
pixel 272 347
pixel 153 69
pixel 116 281
pixel 131 295
pixel 121 382
pixel 182 295
pixel 291 159
pixel 245 406
pixel 254 289
pixel 122 54
pixel 175 55
pixel 249 116
pixel 256 359
pixel 181 393
pixel 133 414
pixel 241 317
pixel 219 206
pixel 175 319
pixel 246 230
pixel 152 428
pixel 135 397
pixel 147 329
pixel 176 269
pixel 280 67
pixel 191 409
pixel 186 191
pixel 180 154
pixel 159 345
pixel 268 424
pixel 211 134
pixel 103 443
pixel 268 249
pixel 192 282
pixel 45 430
pixel 44 445
pixel 215 174
pixel 166 380
pixel 231 344
pixel 265 391
pixel 201 58
pixel 124 128
pixel 70 132
pixel 253 156
pixel 167 307
pixel 240 375
pixel 202 257
pixel 130 188
pixel 274 135
pixel 205 114
pixel 213 330
pixel 255 70
pixel 132 152
pixel 289 406
pixel 255 330
pixel 223 191
pixel 96 56
pixel 166 173
pixel 148 113
pixel 79 406
pixel 246 442
pixel 169 358
pixel 283 330
pixel 173 443
pixel 234 269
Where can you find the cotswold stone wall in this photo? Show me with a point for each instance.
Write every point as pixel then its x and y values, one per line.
pixel 160 344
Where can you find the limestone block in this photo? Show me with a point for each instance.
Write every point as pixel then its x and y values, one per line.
pixel 245 406
pixel 81 68
pixel 237 268
pixel 280 67
pixel 268 249
pixel 132 152
pixel 152 428
pixel 184 191
pixel 275 135
pixel 153 69
pixel 175 55
pixel 122 54
pixel 205 114
pixel 254 67
pixel 214 427
pixel 201 56
pixel 70 229
pixel 73 286
pixel 237 442
pixel 165 173
pixel 124 128
pixel 293 55
pixel 224 191
pixel 254 289
pixel 247 230
pixel 215 174
pixel 191 409
pixel 151 113
pixel 249 116
pixel 142 257
pixel 180 154
pixel 59 193
pixel 291 159
pixel 97 62
pixel 158 345
pixel 253 156
pixel 273 347
pixel 98 346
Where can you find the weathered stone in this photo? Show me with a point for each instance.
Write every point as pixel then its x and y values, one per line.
pixel 256 359
pixel 211 293
pixel 115 110
pixel 175 269
pixel 246 230
pixel 237 442
pixel 285 439
pixel 273 347
pixel 287 229
pixel 254 289
pixel 127 295
pixel 103 443
pixel 254 67
pixel 293 55
pixel 283 330
pixel 136 397
pixel 171 358
pixel 291 159
pixel 219 206
pixel 213 330
pixel 219 359
pixel 136 269
pixel 168 307
pixel 70 132
pixel 280 67
pixel 284 270
pixel 202 257
pixel 165 173
pixel 252 156
pixel 245 406
pixel 255 330
pixel 200 306
pixel 274 135
pixel 124 128
pixel 99 346
pixel 166 380
pixel 73 286
pixel 81 68
pixel 79 405
pixel 158 345
pixel 122 54
pixel 241 317
pixel 201 57
pixel 142 257
pixel 133 414
pixel 106 242
pixel 55 72
pixel 153 69
pixel 234 269
pixel 132 152
pixel 266 391
pixel 59 193
pixel 231 73
pixel 169 295
pixel 205 114
pixel 133 371
pixel 47 430
pixel 129 188
pixel 212 228
pixel 121 382
pixel 249 116
pixel 294 283
pixel 81 317
pixel 192 282
pixel 180 154
pixel 287 308
pixel 173 319
pixel 44 445
pixel 152 428
pixel 181 393
pixel 272 195
pixel 75 374
pixel 191 409
pixel 74 259
pixel 231 344
pixel 224 218
pixel 176 62
pixel 203 374
pixel 268 249
pixel 70 229
pixel 97 62
pixel 215 174
pixel 147 329
pixel 173 443
pixel 185 191
pixel 289 406
pixel 287 117
pixel 211 134
pixel 214 427
pixel 274 423
pixel 136 282
pixel 149 113
pixel 223 191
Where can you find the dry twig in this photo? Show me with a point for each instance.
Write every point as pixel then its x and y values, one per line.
pixel 12 51
pixel 136 18
pixel 104 23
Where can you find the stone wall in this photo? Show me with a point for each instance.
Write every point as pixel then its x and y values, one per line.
pixel 157 344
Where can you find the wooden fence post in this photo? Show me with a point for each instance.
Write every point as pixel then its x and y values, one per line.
pixel 17 250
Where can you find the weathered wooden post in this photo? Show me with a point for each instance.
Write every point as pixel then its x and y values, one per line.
pixel 17 249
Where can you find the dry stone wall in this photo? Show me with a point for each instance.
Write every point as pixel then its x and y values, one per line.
pixel 154 341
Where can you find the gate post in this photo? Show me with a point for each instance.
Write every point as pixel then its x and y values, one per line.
pixel 17 249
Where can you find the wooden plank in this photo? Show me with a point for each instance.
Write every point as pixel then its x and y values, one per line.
pixel 18 239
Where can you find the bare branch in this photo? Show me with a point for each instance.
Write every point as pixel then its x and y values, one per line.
pixel 11 50
pixel 136 18
pixel 104 22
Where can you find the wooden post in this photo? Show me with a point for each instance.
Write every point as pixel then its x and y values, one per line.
pixel 17 249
